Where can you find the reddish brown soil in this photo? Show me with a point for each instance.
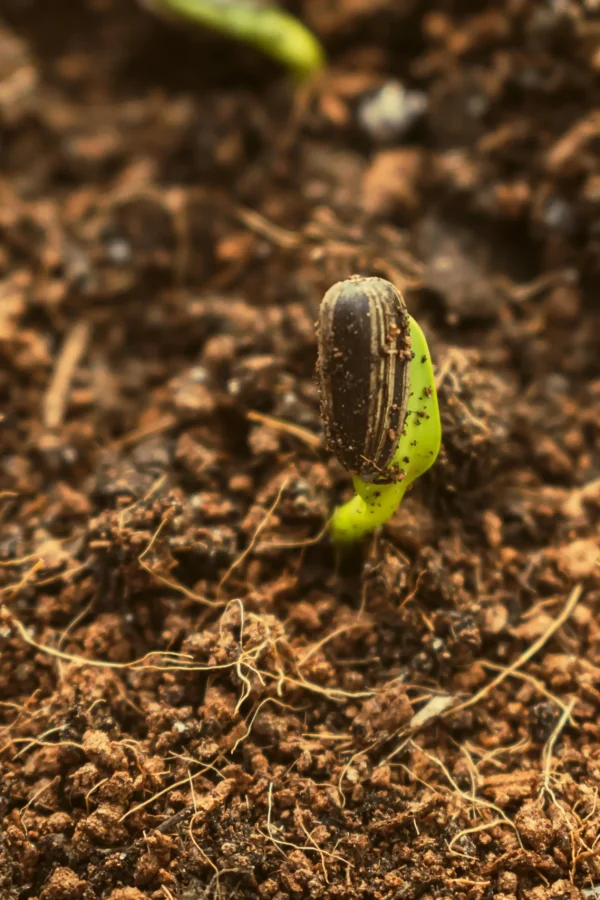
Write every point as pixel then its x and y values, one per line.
pixel 197 699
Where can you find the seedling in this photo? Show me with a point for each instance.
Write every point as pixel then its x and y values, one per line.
pixel 378 399
pixel 258 22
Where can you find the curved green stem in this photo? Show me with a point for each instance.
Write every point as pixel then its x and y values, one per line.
pixel 268 27
pixel 417 450
pixel 371 507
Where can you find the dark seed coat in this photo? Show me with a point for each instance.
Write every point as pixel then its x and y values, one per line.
pixel 364 373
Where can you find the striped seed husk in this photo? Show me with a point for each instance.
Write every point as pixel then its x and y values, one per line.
pixel 364 374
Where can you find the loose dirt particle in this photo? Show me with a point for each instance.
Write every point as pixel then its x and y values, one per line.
pixel 63 884
pixel 127 893
pixel 534 827
pixel 580 559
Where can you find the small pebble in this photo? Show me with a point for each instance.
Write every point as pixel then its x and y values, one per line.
pixel 119 251
pixel 391 112
pixel 558 215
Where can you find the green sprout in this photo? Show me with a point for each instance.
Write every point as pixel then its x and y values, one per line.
pixel 379 401
pixel 263 25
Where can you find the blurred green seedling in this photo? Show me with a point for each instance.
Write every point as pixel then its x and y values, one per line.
pixel 264 25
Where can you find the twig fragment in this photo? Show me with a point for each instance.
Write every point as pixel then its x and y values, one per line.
pixel 57 395
pixel 303 434
pixel 531 651
pixel 262 525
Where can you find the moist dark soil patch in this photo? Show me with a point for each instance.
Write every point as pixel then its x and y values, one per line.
pixel 197 699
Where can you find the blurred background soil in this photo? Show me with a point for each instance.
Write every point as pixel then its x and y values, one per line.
pixel 197 700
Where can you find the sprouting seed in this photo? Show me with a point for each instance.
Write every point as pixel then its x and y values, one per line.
pixel 378 399
pixel 364 359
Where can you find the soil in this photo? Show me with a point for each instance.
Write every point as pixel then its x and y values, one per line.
pixel 199 698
